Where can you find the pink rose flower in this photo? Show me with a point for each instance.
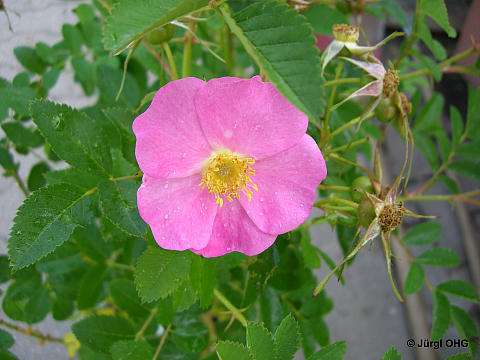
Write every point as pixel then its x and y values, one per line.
pixel 227 166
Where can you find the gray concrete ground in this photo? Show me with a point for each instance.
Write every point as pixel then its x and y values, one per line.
pixel 366 313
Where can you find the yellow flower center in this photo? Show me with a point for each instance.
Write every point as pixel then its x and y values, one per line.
pixel 226 174
pixel 345 33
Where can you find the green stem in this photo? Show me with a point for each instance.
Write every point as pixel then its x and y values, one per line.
pixel 228 47
pixel 411 40
pixel 335 201
pixel 341 81
pixel 338 158
pixel 350 123
pixel 19 181
pixel 147 322
pixel 187 51
pixel 334 187
pixel 348 146
pixel 338 73
pixel 235 311
pixel 441 197
pixel 443 63
pixel 134 176
pixel 170 60
pixel 112 263
pixel 162 341
pixel 32 333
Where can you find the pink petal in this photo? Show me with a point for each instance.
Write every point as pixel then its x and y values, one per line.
pixel 248 116
pixel 179 212
pixel 170 142
pixel 234 231
pixel 371 89
pixel 375 69
pixel 286 187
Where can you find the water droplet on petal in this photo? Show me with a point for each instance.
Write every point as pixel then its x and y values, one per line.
pixel 165 186
pixel 262 199
pixel 228 134
pixel 166 216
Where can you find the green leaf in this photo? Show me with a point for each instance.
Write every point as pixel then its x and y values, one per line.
pixel 335 351
pixel 424 33
pixel 46 53
pixel 415 278
pixel 437 10
pixel 469 150
pixel 37 307
pixel 429 64
pixel 203 275
pixel 287 338
pixel 100 332
pixel 91 287
pixel 6 159
pixel 44 221
pixel 4 269
pixel 108 81
pixel 473 113
pixel 428 118
pixel 73 176
pixel 22 136
pixel 84 74
pixel 441 315
pixel 17 99
pixel 184 296
pixel 75 137
pixel 29 59
pixel 424 234
pixel 119 204
pixel 165 311
pixel 390 7
pixel 260 342
pixel 131 350
pixel 62 308
pixel 392 354
pixel 456 123
pixel 72 37
pixel 461 289
pixel 36 178
pixel 189 333
pixel 227 350
pixel 61 265
pixel 428 148
pixel 284 49
pixel 7 355
pixel 444 143
pixel 466 327
pixel 449 183
pixel 322 17
pixel 439 257
pixel 125 297
pixel 6 340
pixel 310 256
pixel 159 272
pixel 131 20
pixel 466 168
pixel 50 77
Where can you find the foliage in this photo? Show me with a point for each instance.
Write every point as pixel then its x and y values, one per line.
pixel 80 251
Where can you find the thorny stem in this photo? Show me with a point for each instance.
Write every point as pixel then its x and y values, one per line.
pixel 147 322
pixel 235 311
pixel 170 60
pixel 30 332
pixel 162 341
pixel 411 40
pixel 443 64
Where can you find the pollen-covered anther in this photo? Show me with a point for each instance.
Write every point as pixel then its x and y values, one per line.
pixel 345 33
pixel 391 216
pixel 390 82
pixel 227 174
pixel 405 104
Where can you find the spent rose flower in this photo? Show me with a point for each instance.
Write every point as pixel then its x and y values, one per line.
pixel 227 166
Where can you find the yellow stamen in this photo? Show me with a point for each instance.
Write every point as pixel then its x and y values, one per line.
pixel 226 174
